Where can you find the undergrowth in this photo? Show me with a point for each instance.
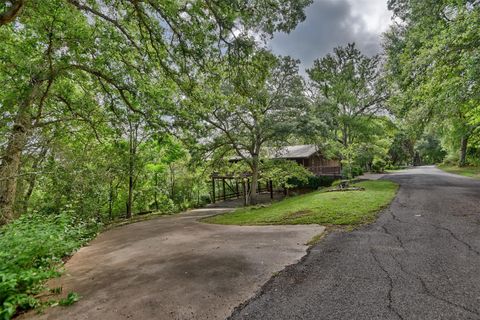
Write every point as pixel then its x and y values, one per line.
pixel 31 252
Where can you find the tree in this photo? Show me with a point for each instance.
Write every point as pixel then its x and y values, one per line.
pixel 401 151
pixel 347 97
pixel 141 53
pixel 349 90
pixel 256 107
pixel 429 150
pixel 432 69
pixel 11 11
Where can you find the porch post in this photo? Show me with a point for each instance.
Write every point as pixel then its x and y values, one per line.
pixel 224 195
pixel 271 189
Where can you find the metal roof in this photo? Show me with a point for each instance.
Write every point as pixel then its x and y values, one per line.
pixel 293 152
pixel 287 152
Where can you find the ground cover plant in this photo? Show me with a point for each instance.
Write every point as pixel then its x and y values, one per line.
pixel 31 251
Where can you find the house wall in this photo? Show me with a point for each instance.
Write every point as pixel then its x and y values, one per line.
pixel 324 167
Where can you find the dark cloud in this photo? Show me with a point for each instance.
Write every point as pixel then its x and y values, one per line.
pixel 329 23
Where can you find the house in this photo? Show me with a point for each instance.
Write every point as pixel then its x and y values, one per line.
pixel 306 155
pixel 231 186
pixel 310 157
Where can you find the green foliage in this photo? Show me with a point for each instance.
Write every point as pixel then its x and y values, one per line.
pixel 378 165
pixel 71 298
pixel 351 171
pixel 104 103
pixel 349 89
pixel 285 173
pixel 314 182
pixel 95 85
pixel 31 251
pixel 339 208
pixel 349 92
pixel 430 150
pixel 401 151
pixel 433 70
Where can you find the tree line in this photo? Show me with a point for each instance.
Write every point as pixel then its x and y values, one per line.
pixel 122 107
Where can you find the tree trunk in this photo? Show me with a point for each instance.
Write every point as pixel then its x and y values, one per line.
pixel 10 164
pixel 110 201
pixel 253 189
pixel 463 151
pixel 345 136
pixel 131 171
pixel 155 192
pixel 172 181
pixel 32 179
pixel 130 194
pixel 416 159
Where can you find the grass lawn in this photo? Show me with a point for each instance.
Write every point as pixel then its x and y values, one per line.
pixel 327 208
pixel 472 172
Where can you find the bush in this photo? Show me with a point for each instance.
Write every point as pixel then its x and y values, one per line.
pixel 313 182
pixel 378 165
pixel 451 160
pixel 356 171
pixel 31 251
pixel 391 166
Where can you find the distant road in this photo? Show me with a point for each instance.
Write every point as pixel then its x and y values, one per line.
pixel 420 260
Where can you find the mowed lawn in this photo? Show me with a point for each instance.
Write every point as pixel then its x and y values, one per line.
pixel 327 208
pixel 472 172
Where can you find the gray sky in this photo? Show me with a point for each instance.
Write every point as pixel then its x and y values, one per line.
pixel 331 23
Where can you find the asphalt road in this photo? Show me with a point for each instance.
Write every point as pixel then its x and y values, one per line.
pixel 419 260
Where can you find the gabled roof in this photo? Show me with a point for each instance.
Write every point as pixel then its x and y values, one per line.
pixel 293 152
pixel 287 152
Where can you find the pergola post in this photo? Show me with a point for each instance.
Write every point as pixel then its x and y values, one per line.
pixel 224 194
pixel 271 189
pixel 244 183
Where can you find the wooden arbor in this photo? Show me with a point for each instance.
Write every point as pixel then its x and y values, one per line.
pixel 236 186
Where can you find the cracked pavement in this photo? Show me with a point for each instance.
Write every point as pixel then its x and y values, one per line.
pixel 419 260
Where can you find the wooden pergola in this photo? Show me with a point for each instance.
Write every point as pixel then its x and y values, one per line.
pixel 232 186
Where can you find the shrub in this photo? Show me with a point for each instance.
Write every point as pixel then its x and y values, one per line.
pixel 31 251
pixel 313 182
pixel 355 171
pixel 391 166
pixel 451 160
pixel 378 165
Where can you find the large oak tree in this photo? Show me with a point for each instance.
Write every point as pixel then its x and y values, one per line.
pixel 141 53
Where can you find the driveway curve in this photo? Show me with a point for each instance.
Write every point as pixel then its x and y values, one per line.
pixel 419 260
pixel 176 268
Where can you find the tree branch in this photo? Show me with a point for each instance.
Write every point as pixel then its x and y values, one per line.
pixel 12 12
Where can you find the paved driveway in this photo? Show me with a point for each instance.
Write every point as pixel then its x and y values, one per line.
pixel 420 260
pixel 176 268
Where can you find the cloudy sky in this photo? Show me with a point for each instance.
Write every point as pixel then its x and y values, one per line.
pixel 331 23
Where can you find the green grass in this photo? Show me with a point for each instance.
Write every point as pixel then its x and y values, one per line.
pixel 470 171
pixel 327 208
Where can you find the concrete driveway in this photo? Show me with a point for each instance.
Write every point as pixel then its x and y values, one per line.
pixel 176 268
pixel 419 260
